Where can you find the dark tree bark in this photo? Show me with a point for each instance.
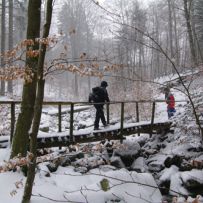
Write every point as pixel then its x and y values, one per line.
pixel 10 39
pixel 3 39
pixel 37 108
pixel 21 135
pixel 177 48
pixel 20 22
pixel 189 30
pixel 170 26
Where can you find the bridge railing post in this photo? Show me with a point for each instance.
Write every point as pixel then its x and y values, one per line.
pixel 122 118
pixel 59 117
pixel 137 115
pixel 107 113
pixel 137 112
pixel 71 122
pixel 12 120
pixel 152 119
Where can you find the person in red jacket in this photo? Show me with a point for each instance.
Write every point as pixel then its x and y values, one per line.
pixel 170 100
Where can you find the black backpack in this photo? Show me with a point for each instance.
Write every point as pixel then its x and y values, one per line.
pixel 97 95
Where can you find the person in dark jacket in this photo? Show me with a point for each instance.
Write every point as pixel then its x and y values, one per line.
pixel 170 100
pixel 99 95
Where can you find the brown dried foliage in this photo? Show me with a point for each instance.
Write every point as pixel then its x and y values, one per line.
pixel 13 71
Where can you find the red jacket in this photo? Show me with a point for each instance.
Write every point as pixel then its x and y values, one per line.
pixel 170 101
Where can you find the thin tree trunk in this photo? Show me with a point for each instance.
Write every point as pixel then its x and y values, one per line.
pixel 21 135
pixel 157 65
pixel 170 26
pixel 3 39
pixel 10 40
pixel 38 107
pixel 190 34
pixel 177 48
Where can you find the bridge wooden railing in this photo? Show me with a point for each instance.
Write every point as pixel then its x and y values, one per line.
pixel 72 110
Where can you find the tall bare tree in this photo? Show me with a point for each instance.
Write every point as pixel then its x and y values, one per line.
pixel 188 18
pixel 176 37
pixel 170 27
pixel 3 40
pixel 10 39
pixel 38 105
pixel 24 121
pixel 198 12
pixel 77 23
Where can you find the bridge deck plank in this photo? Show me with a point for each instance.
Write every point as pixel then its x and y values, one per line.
pixel 57 139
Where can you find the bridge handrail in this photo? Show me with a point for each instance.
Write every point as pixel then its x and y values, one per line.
pixel 73 104
pixel 88 103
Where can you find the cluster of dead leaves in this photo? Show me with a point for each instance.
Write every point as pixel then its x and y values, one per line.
pixel 16 72
pixel 13 164
pixel 31 48
pixel 32 45
pixel 196 200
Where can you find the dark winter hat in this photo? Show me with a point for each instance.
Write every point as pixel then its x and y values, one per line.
pixel 167 89
pixel 104 84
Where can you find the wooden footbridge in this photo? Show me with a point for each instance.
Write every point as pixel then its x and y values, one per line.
pixel 112 132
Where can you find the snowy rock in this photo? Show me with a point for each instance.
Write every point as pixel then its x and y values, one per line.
pixel 105 155
pixel 176 160
pixel 128 153
pixel 106 168
pixel 81 170
pixel 149 152
pixel 61 161
pixel 162 138
pixel 108 146
pixel 139 165
pixel 185 166
pixel 52 167
pixel 141 139
pixel 187 182
pixel 176 185
pixel 161 146
pixel 195 149
pixel 165 187
pixel 109 150
pixel 155 166
pixel 44 171
pixel 165 179
pixel 76 156
pixel 89 162
pixel 117 162
pixel 193 181
pixel 156 163
pixel 65 161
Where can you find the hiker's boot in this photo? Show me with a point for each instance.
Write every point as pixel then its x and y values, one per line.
pixel 106 125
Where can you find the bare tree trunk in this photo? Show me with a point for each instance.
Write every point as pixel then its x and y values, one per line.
pixel 189 30
pixel 3 39
pixel 166 60
pixel 170 27
pixel 21 135
pixel 21 20
pixel 10 40
pixel 157 65
pixel 177 48
pixel 38 107
pixel 184 53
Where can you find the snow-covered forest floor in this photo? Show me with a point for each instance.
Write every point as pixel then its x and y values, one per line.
pixel 161 168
